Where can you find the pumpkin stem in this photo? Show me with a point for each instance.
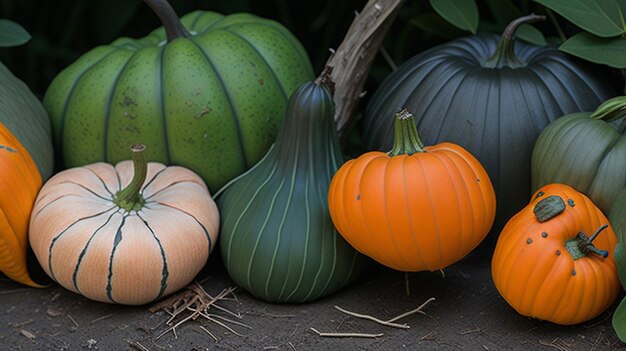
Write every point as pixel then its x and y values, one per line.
pixel 173 27
pixel 406 140
pixel 581 245
pixel 505 51
pixel 611 109
pixel 130 197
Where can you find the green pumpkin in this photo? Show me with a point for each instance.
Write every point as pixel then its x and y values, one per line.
pixel 206 94
pixel 586 151
pixel 277 239
pixel 491 95
pixel 23 114
pixel 617 217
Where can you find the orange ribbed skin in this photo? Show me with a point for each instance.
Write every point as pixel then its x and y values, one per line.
pixel 19 184
pixel 416 212
pixel 534 272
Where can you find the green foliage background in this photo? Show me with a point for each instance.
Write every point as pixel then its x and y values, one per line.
pixel 62 30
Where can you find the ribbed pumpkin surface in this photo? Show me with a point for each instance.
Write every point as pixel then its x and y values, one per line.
pixel 494 113
pixel 277 238
pixel 19 185
pixel 585 153
pixel 415 212
pixel 536 274
pixel 211 102
pixel 89 245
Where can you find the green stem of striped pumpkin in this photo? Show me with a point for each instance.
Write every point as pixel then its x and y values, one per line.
pixel 130 197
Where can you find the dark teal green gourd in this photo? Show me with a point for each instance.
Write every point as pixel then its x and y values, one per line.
pixel 277 239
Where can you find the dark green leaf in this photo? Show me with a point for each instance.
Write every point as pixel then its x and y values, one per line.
pixel 603 18
pixel 608 51
pixel 461 13
pixel 619 320
pixel 12 34
pixel 435 24
pixel 530 34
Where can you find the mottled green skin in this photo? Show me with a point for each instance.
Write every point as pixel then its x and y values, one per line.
pixel 212 101
pixel 22 113
pixel 585 153
pixel 277 238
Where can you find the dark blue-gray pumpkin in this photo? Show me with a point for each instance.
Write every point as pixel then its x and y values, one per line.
pixel 207 94
pixel 277 239
pixel 491 95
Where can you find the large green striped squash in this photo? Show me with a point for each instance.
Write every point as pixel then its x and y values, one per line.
pixel 277 239
pixel 207 94
pixel 26 160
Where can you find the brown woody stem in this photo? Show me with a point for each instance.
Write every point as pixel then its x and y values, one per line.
pixel 173 27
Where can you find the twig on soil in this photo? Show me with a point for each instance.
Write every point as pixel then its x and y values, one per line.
pixel 407 284
pixel 373 319
pixel 14 291
pixel 390 322
pixel 430 336
pixel 476 329
pixel 73 321
pixel 137 345
pixel 346 335
pixel 210 334
pixel 102 318
pixel 194 302
pixel 292 347
pixel 417 310
pixel 27 334
pixel 21 324
pixel 557 344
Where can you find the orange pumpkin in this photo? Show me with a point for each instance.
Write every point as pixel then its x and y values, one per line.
pixel 127 234
pixel 19 185
pixel 415 208
pixel 553 260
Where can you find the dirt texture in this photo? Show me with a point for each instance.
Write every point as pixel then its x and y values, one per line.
pixel 467 314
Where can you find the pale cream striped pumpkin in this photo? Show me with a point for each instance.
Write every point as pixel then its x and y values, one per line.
pixel 87 242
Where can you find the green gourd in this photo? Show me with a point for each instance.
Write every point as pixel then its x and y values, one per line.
pixel 277 239
pixel 586 151
pixel 205 91
pixel 23 114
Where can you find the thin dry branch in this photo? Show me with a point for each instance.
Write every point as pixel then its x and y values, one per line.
pixel 346 335
pixel 390 322
pixel 194 302
pixel 349 66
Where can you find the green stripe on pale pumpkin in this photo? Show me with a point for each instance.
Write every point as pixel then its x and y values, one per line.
pixel 84 251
